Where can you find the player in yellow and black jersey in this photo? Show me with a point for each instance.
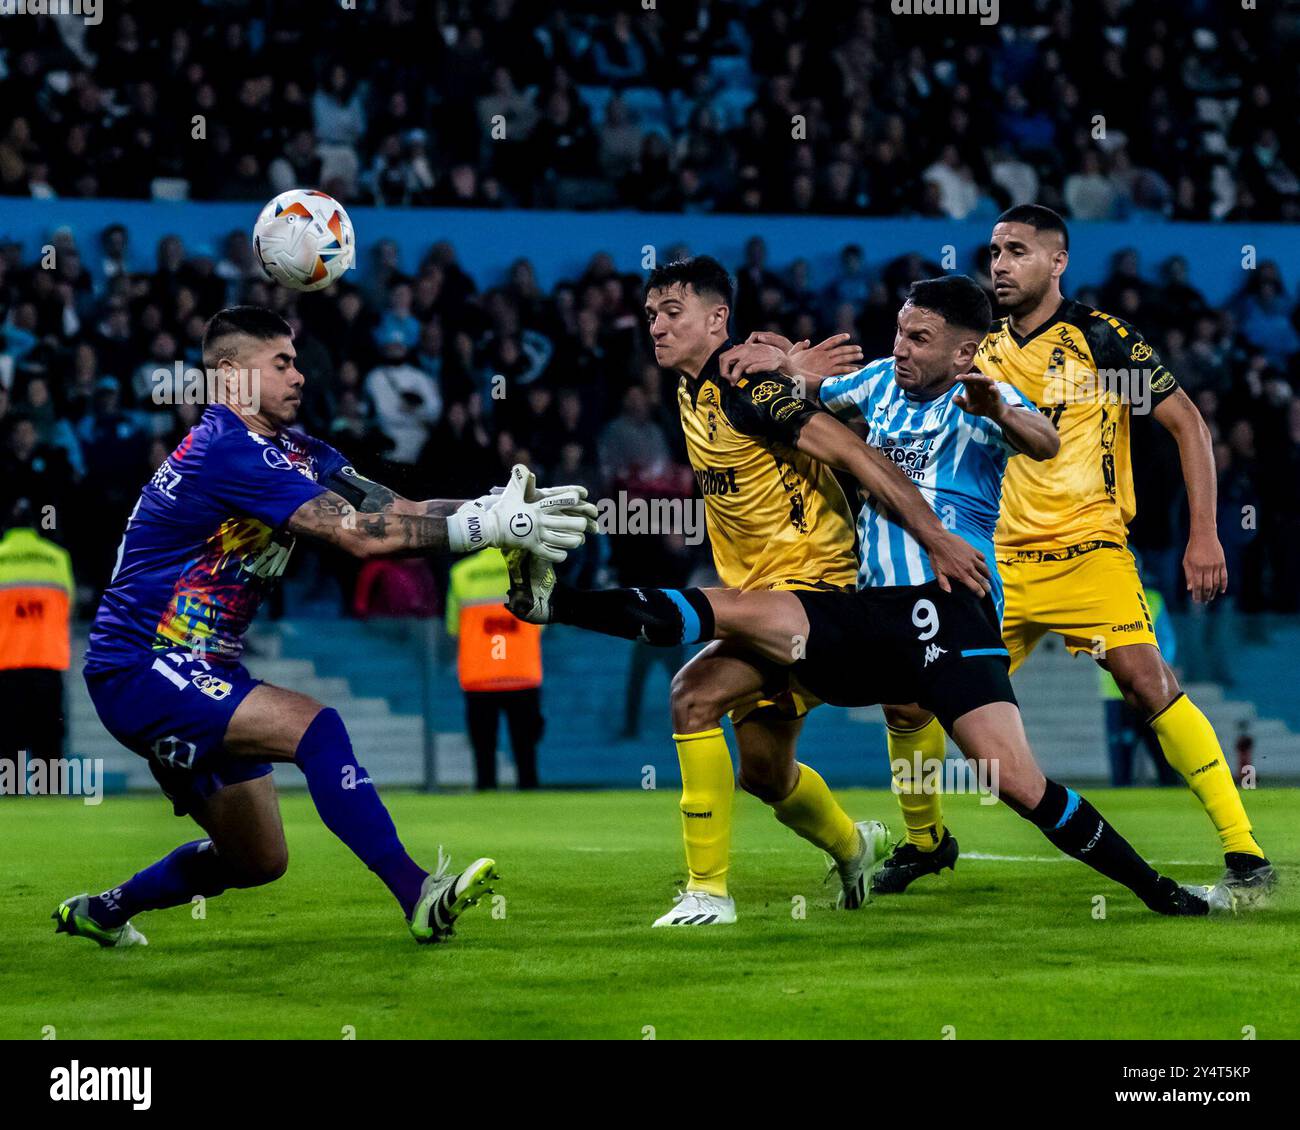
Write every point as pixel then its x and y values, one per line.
pixel 777 518
pixel 1062 537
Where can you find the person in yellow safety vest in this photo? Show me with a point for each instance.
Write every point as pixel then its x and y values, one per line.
pixel 500 666
pixel 36 592
pixel 1125 727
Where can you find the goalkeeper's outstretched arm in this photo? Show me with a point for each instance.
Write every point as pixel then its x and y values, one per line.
pixel 331 518
pixel 370 497
pixel 546 522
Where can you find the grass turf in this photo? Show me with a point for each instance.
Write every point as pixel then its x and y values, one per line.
pixel 1006 947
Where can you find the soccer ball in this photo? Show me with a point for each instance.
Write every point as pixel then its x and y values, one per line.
pixel 303 239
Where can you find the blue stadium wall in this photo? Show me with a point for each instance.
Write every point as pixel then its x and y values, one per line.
pixel 559 244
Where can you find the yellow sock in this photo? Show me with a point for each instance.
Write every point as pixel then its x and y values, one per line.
pixel 708 782
pixel 922 807
pixel 812 812
pixel 1192 748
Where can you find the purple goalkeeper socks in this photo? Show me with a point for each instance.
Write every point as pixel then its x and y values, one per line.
pixel 192 869
pixel 349 805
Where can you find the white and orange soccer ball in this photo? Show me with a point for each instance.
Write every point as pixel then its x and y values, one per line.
pixel 304 240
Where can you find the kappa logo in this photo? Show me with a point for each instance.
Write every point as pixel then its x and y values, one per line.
pixel 932 653
pixel 175 752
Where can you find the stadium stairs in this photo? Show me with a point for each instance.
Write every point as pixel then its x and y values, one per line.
pixel 377 676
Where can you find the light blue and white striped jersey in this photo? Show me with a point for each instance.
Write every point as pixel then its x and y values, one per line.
pixel 955 459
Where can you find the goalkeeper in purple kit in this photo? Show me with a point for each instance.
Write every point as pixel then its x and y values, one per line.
pixel 209 537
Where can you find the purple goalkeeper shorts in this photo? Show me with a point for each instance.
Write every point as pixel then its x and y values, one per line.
pixel 172 708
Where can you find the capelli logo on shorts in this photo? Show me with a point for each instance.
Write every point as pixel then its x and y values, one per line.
pixel 75 1083
pixel 1132 626
pixel 211 686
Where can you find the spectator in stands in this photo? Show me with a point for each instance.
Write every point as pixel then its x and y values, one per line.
pixel 1089 194
pixel 620 140
pixel 338 110
pixel 407 400
pixel 632 447
pixel 32 470
pixel 297 165
pixel 617 53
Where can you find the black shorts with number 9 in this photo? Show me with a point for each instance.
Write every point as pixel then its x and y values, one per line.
pixel 904 644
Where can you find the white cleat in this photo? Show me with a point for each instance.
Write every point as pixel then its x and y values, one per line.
pixel 1220 898
pixel 444 898
pixel 699 908
pixel 855 876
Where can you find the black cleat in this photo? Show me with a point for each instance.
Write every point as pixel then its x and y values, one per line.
pixel 907 863
pixel 1252 878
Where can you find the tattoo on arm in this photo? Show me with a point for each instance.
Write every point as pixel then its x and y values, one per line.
pixel 331 518
pixel 440 507
pixel 370 497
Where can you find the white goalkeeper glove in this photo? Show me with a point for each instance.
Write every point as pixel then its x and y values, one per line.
pixel 548 527
pixel 534 493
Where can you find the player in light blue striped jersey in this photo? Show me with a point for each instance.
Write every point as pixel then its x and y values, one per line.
pixel 923 423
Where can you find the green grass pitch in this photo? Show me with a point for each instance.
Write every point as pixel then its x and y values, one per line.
pixel 1009 946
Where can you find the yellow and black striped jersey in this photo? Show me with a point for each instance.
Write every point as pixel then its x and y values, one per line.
pixel 775 516
pixel 1086 371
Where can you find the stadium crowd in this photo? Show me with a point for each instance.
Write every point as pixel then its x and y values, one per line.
pixel 1113 110
pixel 437 382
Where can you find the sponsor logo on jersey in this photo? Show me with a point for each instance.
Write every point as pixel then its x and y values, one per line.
pixel 1063 336
pixel 276 459
pixel 1141 351
pixel 911 455
pixel 211 686
pixel 1163 381
pixel 1131 626
pixel 765 391
pixel 717 480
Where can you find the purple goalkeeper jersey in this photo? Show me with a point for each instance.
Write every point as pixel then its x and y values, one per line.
pixel 205 542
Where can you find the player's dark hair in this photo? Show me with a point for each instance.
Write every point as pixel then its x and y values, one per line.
pixel 1039 217
pixel 702 273
pixel 958 299
pixel 247 321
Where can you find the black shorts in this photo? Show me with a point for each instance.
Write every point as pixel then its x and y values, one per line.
pixel 905 644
